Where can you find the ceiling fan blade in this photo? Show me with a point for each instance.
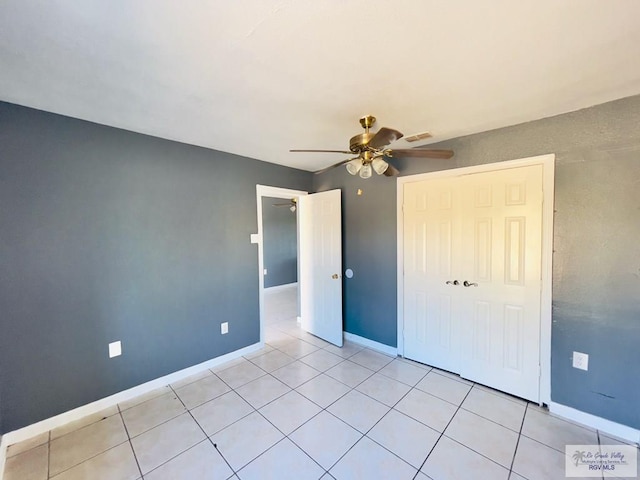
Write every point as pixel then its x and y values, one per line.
pixel 318 172
pixel 391 171
pixel 384 137
pixel 420 153
pixel 348 152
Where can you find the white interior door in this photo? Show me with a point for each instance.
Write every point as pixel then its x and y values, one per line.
pixel 321 265
pixel 483 231
pixel 431 239
pixel 502 260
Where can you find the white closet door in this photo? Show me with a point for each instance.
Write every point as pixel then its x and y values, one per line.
pixel 501 251
pixel 486 230
pixel 431 238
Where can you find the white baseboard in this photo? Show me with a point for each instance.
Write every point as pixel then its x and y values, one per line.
pixel 280 287
pixel 605 426
pixel 365 342
pixel 77 413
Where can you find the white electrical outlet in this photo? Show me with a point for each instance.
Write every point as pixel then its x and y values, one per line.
pixel 265 271
pixel 224 328
pixel 581 361
pixel 115 349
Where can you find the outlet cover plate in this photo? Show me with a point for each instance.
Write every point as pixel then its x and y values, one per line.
pixel 581 360
pixel 224 328
pixel 115 349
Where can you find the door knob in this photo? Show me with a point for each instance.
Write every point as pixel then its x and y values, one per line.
pixel 467 284
pixel 335 276
pixel 455 282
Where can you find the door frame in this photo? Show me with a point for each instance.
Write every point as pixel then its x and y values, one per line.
pixel 275 192
pixel 548 185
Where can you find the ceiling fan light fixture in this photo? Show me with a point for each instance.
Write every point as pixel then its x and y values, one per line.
pixel 365 171
pixel 354 166
pixel 379 165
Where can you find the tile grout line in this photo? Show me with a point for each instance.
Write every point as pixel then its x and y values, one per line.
pixel 207 438
pixel 135 457
pixel 443 430
pixel 515 451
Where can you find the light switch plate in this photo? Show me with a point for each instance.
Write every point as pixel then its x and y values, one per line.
pixel 115 349
pixel 255 238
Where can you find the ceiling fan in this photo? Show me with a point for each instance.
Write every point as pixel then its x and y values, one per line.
pixel 372 151
pixel 293 204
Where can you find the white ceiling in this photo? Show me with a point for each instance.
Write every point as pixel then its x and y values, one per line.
pixel 258 77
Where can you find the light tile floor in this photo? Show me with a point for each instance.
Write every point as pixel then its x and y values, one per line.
pixel 303 409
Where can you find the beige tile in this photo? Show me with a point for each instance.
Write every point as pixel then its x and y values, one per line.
pixel 295 374
pixel 347 350
pixel 371 360
pixel 425 408
pixel 83 422
pixel 298 349
pixel 506 396
pixel 284 460
pixel 321 360
pixel 383 389
pixel 144 397
pixel 29 465
pixel 272 360
pixel 325 438
pixel 349 373
pixel 500 410
pixel 162 443
pixel 536 461
pixel 117 463
pixel 244 440
pixel 452 461
pixel 202 391
pixel 554 432
pixel 190 379
pixel 367 460
pixel 202 462
pixel 33 442
pixel 289 411
pixel 261 351
pixel 494 441
pixel 313 340
pixel 262 391
pixel 444 387
pixel 86 442
pixel 221 412
pixel 323 390
pixel 240 374
pixel 409 439
pixel 232 363
pixel 404 372
pixel 152 413
pixel 452 376
pixel 358 410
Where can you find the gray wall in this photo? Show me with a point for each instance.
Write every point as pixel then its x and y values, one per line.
pixel 110 235
pixel 280 243
pixel 596 274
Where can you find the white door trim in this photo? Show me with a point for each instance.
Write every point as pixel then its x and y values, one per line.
pixel 548 163
pixel 277 192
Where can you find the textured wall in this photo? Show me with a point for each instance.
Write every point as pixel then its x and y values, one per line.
pixel 596 274
pixel 280 243
pixel 110 235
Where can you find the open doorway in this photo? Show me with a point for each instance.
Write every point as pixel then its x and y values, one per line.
pixel 280 259
pixel 278 254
